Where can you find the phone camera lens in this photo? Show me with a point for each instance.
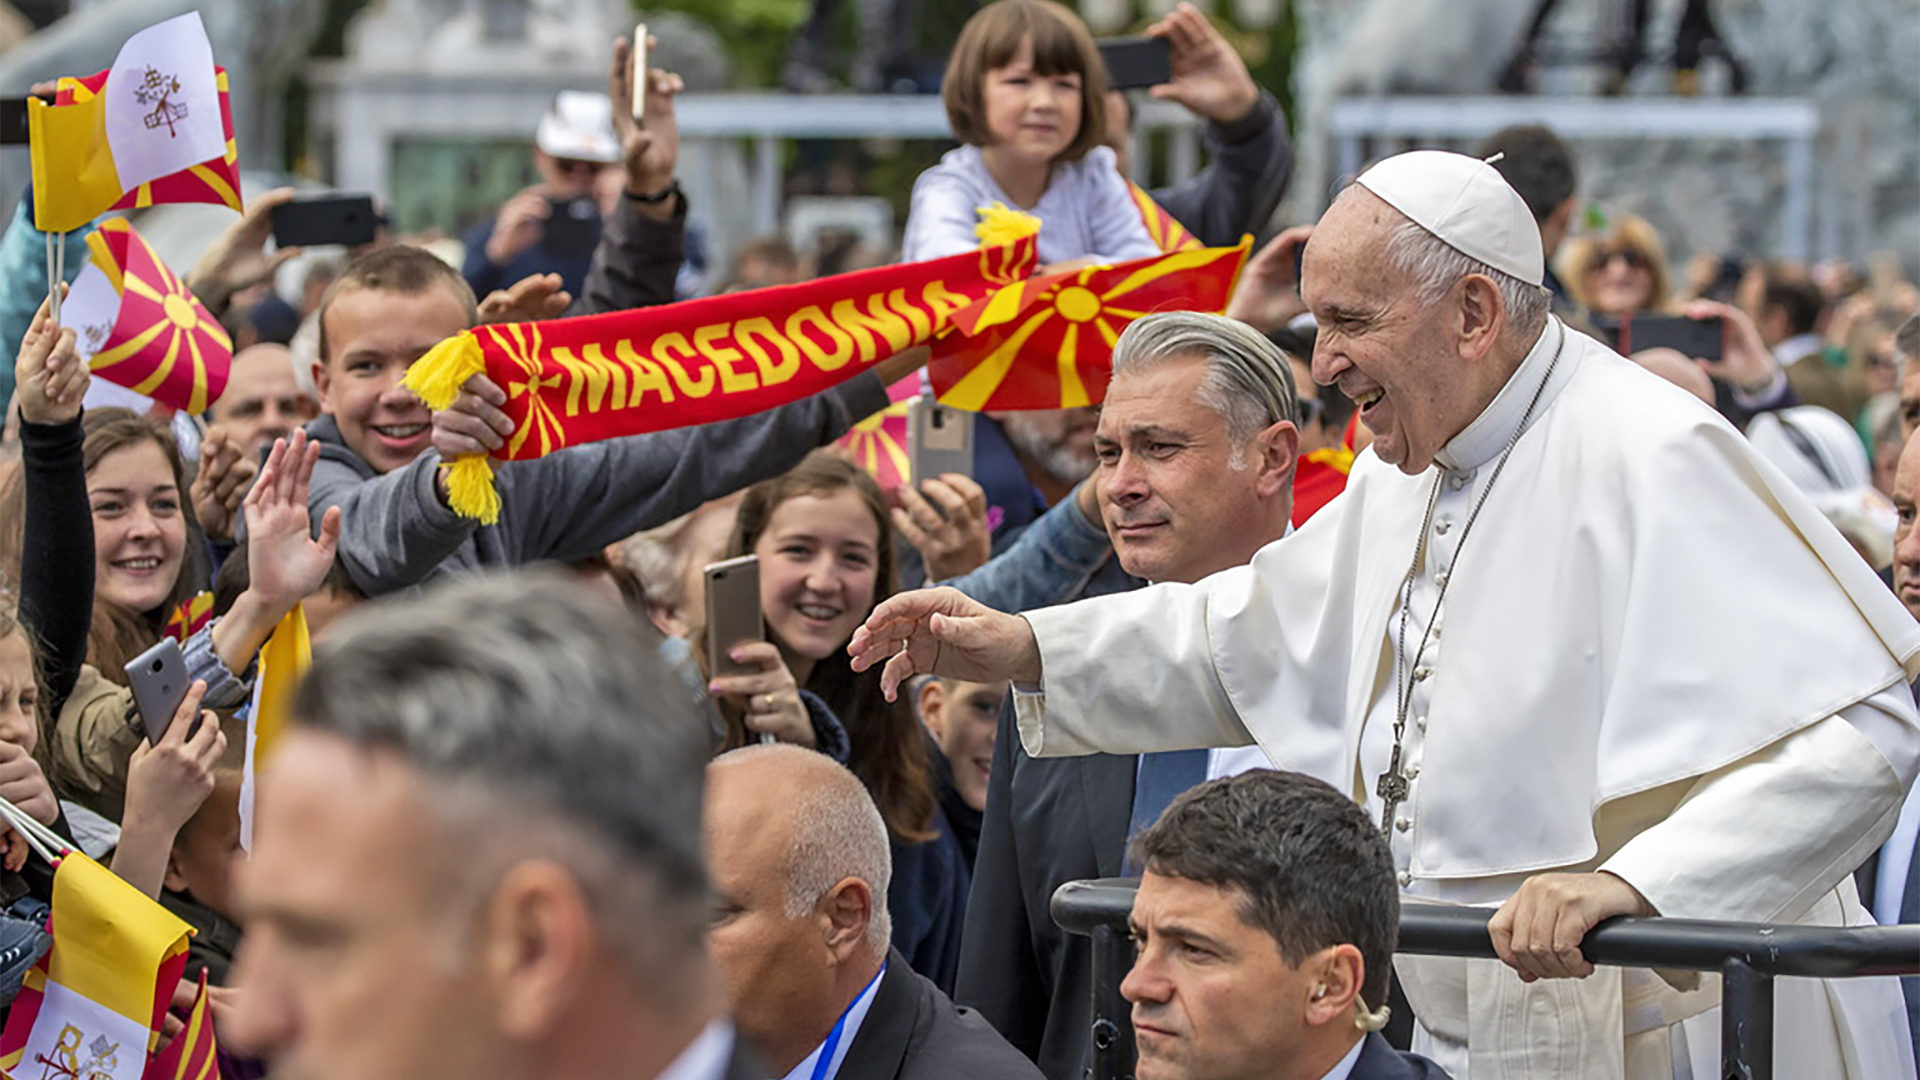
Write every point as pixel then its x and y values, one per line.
pixel 157 665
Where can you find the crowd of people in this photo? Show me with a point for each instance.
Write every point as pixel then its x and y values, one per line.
pixel 1215 633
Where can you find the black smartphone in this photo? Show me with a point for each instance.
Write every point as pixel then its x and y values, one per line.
pixel 573 228
pixel 313 220
pixel 1135 62
pixel 13 121
pixel 1702 339
pixel 158 679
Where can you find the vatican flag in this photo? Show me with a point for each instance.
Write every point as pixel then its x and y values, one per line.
pixel 93 1007
pixel 157 114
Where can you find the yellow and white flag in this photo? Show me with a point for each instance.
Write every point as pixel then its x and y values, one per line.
pixel 159 113
pixel 92 1008
pixel 284 660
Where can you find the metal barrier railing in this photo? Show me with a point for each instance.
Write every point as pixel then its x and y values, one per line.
pixel 1748 957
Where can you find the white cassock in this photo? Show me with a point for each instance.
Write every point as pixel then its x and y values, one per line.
pixel 1658 660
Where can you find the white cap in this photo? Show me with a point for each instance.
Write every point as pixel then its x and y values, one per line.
pixel 578 125
pixel 1467 204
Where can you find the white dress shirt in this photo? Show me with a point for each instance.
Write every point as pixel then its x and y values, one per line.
pixel 856 1014
pixel 705 1058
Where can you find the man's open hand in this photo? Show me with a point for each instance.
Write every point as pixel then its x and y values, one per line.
pixel 944 632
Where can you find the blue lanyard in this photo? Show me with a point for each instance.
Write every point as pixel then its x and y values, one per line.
pixel 823 1066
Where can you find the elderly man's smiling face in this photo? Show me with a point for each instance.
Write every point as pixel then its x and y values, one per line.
pixel 1397 358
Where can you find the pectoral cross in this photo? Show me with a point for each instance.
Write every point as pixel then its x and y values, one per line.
pixel 1392 789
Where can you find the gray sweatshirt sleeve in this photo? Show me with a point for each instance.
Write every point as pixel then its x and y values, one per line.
pixel 1049 564
pixel 570 504
pixel 394 528
pixel 225 689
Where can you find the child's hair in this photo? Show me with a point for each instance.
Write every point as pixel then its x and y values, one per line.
pixel 1061 46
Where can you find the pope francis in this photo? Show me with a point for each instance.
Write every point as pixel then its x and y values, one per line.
pixel 1580 651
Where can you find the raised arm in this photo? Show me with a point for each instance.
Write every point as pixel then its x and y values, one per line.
pixel 56 550
pixel 643 241
pixel 1246 133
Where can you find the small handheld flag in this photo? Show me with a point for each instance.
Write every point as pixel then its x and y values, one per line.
pixel 142 328
pixel 94 1004
pixel 156 112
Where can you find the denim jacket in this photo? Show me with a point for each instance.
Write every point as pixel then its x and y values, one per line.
pixel 1059 558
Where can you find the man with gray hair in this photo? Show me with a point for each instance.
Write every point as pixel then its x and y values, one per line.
pixel 478 852
pixel 800 931
pixel 1528 640
pixel 1196 447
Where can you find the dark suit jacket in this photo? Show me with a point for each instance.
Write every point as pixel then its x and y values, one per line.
pixel 1048 821
pixel 1379 1061
pixel 914 1032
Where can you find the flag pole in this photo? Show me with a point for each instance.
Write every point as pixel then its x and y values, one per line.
pixel 53 279
pixel 59 272
pixel 35 834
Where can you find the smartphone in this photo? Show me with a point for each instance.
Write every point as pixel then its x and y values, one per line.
pixel 733 612
pixel 1135 62
pixel 158 678
pixel 638 75
pixel 13 121
pixel 1702 339
pixel 314 220
pixel 572 230
pixel 939 440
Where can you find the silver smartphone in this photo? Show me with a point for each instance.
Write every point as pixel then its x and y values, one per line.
pixel 939 439
pixel 158 678
pixel 733 612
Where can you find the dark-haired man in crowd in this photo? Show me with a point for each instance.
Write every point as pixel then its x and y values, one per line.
pixel 491 900
pixel 1541 168
pixel 1786 305
pixel 1266 922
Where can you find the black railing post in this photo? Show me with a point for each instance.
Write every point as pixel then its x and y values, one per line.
pixel 1113 1050
pixel 1746 1022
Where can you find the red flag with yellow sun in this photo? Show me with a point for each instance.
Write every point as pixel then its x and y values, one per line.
pixel 878 444
pixel 161 342
pixel 1047 342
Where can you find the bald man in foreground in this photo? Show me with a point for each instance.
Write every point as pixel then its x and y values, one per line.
pixel 800 867
pixel 1532 640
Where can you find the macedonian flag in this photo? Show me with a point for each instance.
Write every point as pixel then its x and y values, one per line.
pixel 572 381
pixel 1165 229
pixel 1047 342
pixel 161 342
pixel 878 444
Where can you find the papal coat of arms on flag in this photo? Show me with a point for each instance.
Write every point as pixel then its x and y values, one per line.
pixel 157 114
